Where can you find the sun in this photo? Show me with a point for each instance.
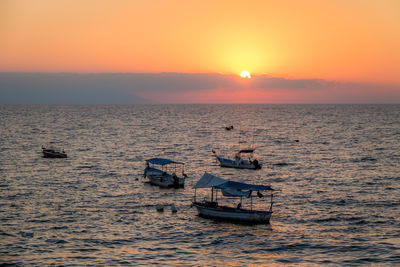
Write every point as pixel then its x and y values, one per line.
pixel 245 74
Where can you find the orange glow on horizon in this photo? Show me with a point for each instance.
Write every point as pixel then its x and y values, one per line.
pixel 243 96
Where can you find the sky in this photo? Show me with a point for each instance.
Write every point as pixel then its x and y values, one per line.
pixel 155 51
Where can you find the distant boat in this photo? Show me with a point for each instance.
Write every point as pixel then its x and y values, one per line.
pixel 163 172
pixel 210 208
pixel 240 161
pixel 51 153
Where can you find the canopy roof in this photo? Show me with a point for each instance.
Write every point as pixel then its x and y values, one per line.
pixel 209 180
pixel 229 192
pixel 244 186
pixel 160 161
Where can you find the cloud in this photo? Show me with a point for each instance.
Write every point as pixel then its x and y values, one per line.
pixel 65 88
pixel 183 88
pixel 267 82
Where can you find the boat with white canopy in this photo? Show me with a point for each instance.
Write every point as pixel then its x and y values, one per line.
pixel 163 172
pixel 210 208
pixel 244 159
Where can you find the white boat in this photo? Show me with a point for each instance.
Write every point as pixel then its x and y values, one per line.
pixel 210 208
pixel 163 172
pixel 240 160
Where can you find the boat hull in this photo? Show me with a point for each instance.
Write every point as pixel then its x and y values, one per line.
pixel 161 179
pixel 239 164
pixel 47 154
pixel 164 181
pixel 232 214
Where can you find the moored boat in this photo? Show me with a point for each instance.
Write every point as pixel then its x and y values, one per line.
pixel 163 172
pixel 239 161
pixel 52 153
pixel 210 208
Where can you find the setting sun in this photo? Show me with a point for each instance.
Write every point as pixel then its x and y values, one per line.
pixel 245 74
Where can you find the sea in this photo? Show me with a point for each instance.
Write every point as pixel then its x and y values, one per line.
pixel 335 171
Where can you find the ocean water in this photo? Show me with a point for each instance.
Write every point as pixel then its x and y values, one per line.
pixel 335 170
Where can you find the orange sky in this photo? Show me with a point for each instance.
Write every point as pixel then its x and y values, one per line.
pixel 342 40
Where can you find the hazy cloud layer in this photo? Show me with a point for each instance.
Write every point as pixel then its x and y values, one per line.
pixel 131 87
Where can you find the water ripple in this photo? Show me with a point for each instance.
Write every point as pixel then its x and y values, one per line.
pixel 334 168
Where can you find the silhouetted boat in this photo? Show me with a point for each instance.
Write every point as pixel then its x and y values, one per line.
pixel 212 209
pixel 163 172
pixel 239 161
pixel 51 153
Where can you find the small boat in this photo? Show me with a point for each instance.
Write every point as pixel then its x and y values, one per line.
pixel 162 172
pixel 239 161
pixel 51 153
pixel 210 208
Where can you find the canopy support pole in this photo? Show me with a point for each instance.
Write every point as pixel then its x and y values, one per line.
pixel 270 207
